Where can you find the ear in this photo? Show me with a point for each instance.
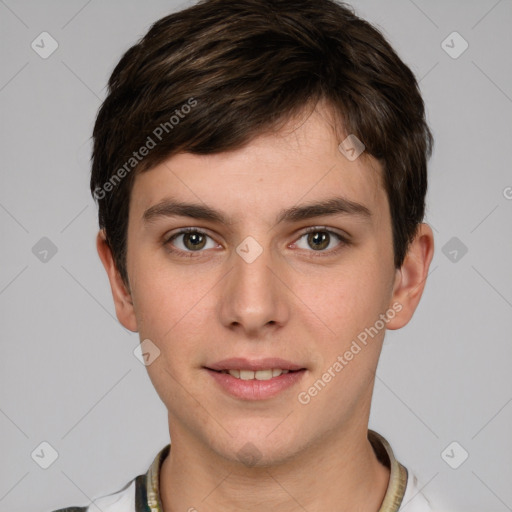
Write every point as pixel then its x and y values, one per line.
pixel 122 297
pixel 411 277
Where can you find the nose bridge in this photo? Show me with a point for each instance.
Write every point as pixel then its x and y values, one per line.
pixel 253 297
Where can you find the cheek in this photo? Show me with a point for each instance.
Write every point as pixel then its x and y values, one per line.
pixel 157 295
pixel 351 295
pixel 350 305
pixel 171 309
pixel 170 315
pixel 155 305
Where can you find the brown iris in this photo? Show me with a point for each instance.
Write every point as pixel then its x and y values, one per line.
pixel 318 240
pixel 194 241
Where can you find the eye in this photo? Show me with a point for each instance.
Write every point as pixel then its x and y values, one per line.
pixel 321 239
pixel 189 240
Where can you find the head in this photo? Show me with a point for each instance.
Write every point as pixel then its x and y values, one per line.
pixel 227 117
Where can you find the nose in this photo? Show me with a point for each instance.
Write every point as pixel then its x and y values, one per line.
pixel 254 297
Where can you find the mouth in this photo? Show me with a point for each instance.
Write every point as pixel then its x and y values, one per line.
pixel 266 374
pixel 255 379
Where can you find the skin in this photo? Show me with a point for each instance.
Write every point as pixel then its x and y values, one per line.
pixel 294 302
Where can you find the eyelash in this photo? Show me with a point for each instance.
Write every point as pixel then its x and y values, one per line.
pixel 343 242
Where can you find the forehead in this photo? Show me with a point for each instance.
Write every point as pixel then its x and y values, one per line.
pixel 299 163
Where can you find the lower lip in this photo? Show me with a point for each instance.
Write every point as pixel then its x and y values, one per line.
pixel 256 389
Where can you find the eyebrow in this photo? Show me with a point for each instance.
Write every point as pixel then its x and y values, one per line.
pixel 332 206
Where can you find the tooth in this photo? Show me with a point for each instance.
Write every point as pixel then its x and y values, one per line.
pixel 246 374
pixel 263 374
pixel 258 375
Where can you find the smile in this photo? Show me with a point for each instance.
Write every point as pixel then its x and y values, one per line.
pixel 251 385
pixel 255 375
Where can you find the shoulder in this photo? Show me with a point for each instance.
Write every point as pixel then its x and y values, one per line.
pixel 128 499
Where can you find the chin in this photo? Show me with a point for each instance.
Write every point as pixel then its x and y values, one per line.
pixel 259 450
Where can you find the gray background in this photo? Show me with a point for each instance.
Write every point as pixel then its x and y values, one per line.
pixel 68 373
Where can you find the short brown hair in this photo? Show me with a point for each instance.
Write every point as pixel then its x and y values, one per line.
pixel 245 67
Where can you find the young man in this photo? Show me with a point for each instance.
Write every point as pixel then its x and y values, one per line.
pixel 260 170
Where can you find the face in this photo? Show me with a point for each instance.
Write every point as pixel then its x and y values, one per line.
pixel 276 256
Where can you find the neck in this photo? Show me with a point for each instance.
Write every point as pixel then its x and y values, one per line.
pixel 342 474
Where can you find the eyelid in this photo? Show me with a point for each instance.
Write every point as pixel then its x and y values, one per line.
pixel 183 231
pixel 188 229
pixel 313 229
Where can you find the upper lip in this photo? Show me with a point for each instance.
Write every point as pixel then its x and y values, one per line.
pixel 240 363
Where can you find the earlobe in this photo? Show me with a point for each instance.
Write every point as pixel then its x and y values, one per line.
pixel 122 298
pixel 410 279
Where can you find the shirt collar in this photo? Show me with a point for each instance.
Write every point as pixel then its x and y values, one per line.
pixel 392 499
